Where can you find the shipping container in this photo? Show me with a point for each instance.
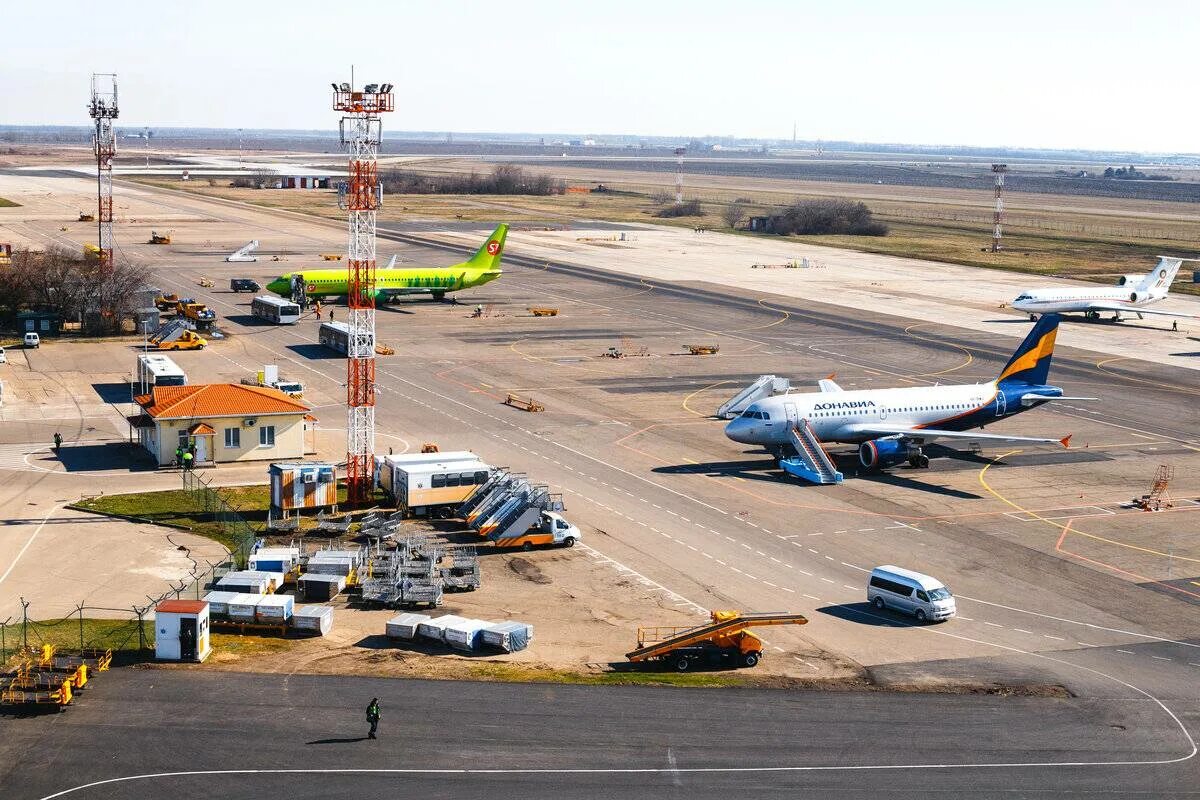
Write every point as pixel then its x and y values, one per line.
pixel 435 628
pixel 243 607
pixel 275 559
pixel 315 620
pixel 320 587
pixel 251 582
pixel 508 636
pixel 404 626
pixel 464 634
pixel 218 602
pixel 274 608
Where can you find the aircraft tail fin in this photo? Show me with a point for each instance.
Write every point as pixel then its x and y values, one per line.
pixel 1159 279
pixel 489 253
pixel 1030 364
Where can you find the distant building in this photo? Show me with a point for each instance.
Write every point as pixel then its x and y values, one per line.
pixel 304 182
pixel 224 422
pixel 44 323
pixel 761 225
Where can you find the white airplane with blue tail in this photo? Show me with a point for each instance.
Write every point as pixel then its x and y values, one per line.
pixel 891 426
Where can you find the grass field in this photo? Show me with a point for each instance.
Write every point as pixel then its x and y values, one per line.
pixel 1095 238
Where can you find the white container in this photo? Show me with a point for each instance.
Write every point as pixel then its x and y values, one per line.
pixel 218 602
pixel 356 556
pixel 404 626
pixel 435 629
pixel 242 607
pixel 275 559
pixel 507 636
pixel 274 608
pixel 464 634
pixel 317 620
pixel 251 582
pixel 330 566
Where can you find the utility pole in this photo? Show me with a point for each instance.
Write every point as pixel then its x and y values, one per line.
pixel 361 133
pixel 679 151
pixel 103 110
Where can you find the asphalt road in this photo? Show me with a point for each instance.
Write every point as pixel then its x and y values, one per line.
pixel 172 734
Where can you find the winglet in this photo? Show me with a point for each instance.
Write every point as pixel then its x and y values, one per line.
pixel 1066 440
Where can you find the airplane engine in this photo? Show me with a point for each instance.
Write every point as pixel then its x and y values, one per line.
pixel 1129 280
pixel 1133 297
pixel 884 453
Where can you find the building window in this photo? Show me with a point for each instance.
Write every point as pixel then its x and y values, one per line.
pixel 266 436
pixel 183 439
pixel 233 438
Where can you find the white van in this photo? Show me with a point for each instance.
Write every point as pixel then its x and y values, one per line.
pixel 911 592
pixel 32 340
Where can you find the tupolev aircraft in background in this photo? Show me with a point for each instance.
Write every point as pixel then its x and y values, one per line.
pixel 1132 295
pixel 891 426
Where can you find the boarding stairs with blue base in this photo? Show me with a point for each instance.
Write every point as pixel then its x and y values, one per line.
pixel 811 462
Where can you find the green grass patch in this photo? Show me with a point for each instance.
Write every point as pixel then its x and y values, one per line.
pixel 118 635
pixel 5 203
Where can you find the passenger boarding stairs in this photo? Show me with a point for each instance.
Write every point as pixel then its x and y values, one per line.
pixel 492 500
pixel 169 332
pixel 481 494
pixel 811 462
pixel 522 516
pixel 765 386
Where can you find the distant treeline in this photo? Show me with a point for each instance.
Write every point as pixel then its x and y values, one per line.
pixel 1131 174
pixel 824 217
pixel 504 179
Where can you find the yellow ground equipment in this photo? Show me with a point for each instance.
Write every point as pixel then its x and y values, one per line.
pixel 167 302
pixel 91 253
pixel 207 283
pixel 542 311
pixel 46 678
pixel 198 313
pixel 188 340
pixel 523 403
pixel 725 641
pixel 159 238
pixel 331 256
pixel 430 447
pixel 702 349
pixel 384 350
pixel 85 216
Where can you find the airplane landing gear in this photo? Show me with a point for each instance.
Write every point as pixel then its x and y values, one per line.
pixel 918 459
pixel 1033 317
pixel 439 297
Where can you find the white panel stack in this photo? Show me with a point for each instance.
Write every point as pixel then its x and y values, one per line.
pixel 218 603
pixel 464 634
pixel 274 609
pixel 435 629
pixel 243 607
pixel 317 620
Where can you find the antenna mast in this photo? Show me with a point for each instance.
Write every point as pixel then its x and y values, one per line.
pixel 361 133
pixel 103 109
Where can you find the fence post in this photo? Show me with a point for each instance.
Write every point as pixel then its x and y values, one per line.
pixel 24 623
pixel 81 629
pixel 141 631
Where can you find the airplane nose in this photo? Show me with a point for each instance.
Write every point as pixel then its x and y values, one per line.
pixel 737 431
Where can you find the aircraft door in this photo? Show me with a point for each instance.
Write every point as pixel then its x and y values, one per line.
pixel 187 639
pixel 1001 403
pixel 793 416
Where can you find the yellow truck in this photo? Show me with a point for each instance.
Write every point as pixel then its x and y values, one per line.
pixel 189 340
pixel 199 313
pixel 724 641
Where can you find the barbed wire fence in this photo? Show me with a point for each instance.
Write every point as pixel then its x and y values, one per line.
pixel 129 632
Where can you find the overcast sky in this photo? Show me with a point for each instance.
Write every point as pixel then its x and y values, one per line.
pixel 1052 73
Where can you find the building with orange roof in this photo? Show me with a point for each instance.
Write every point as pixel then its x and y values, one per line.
pixel 222 423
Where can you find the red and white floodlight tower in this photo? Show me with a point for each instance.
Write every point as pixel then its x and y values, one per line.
pixel 103 110
pixel 361 131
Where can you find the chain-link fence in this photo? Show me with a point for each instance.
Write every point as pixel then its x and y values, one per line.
pixel 129 632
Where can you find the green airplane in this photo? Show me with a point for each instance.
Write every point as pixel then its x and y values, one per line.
pixel 391 282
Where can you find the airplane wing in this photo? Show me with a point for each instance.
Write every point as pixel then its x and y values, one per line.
pixel 391 264
pixel 929 434
pixel 828 385
pixel 1134 310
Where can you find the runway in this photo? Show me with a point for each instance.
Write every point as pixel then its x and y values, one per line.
pixel 171 734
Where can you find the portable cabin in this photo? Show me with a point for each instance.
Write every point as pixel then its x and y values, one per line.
pixel 274 608
pixel 343 566
pixel 404 626
pixel 181 631
pixel 464 634
pixel 419 482
pixel 315 586
pixel 218 603
pixel 313 620
pixel 300 485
